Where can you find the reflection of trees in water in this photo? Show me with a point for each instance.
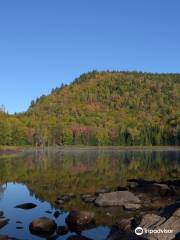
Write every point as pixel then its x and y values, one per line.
pixel 48 174
pixel 2 189
pixel 81 171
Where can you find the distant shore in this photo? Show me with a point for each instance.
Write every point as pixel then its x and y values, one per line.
pixel 6 150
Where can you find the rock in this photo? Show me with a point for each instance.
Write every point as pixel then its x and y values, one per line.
pixel 78 238
pixel 120 198
pixel 26 206
pixel 64 198
pixel 117 234
pixel 3 222
pixel 62 230
pixel 42 227
pixel 78 221
pixel 126 224
pixel 151 218
pixel 151 188
pixel 59 202
pixel 72 195
pixel 57 214
pixel 169 210
pixel 133 184
pixel 154 203
pixel 132 206
pixel 88 198
pixel 164 189
pixel 155 222
pixel 102 190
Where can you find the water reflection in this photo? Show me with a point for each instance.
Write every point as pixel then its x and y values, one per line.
pixel 17 193
pixel 42 176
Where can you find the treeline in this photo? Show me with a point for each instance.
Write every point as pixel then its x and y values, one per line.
pixel 101 108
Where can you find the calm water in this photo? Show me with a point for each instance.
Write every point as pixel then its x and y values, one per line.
pixel 39 177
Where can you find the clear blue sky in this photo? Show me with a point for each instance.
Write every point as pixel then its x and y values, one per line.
pixel 46 42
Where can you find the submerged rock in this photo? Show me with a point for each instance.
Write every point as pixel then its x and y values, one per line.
pixel 42 227
pixel 120 198
pixel 78 221
pixel 26 206
pixel 62 230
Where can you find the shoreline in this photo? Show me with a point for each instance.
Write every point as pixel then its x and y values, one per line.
pixel 8 150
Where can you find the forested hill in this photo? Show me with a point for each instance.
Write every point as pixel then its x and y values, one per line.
pixel 101 108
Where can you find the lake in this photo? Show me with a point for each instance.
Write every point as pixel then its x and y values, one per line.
pixel 39 177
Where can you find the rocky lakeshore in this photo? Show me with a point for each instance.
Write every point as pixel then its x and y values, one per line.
pixel 149 206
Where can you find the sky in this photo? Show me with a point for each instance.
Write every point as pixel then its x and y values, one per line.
pixel 46 42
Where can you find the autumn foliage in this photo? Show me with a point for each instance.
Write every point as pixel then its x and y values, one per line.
pixel 101 108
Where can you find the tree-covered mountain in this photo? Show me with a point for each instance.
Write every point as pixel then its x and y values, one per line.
pixel 101 108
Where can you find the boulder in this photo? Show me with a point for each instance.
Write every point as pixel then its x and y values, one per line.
pixel 42 227
pixel 120 198
pixel 78 221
